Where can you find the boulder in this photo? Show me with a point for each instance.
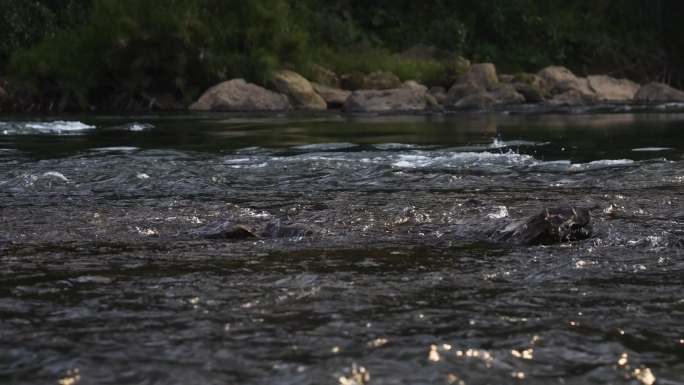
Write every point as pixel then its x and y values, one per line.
pixel 506 78
pixel 414 84
pixel 381 80
pixel 352 81
pixel 300 91
pixel 460 90
pixel 334 97
pixel 506 95
pixel 571 98
pixel 433 104
pixel 324 76
pixel 560 80
pixel 658 93
pixel 439 93
pixel 238 95
pixel 387 101
pixel 482 75
pixel 477 101
pixel 533 80
pixel 501 95
pixel 611 89
pixel 531 93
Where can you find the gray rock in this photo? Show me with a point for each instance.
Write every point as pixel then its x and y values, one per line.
pixel 234 231
pixel 611 89
pixel 531 93
pixel 477 101
pixel 415 85
pixel 482 75
pixel 439 93
pixel 561 80
pixel 506 94
pixel 658 93
pixel 300 91
pixel 506 78
pixel 549 226
pixel 334 97
pixel 238 95
pixel 387 101
pixel 572 98
pixel 460 90
pixel 381 80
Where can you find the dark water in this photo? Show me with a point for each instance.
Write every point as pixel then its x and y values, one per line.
pixel 104 280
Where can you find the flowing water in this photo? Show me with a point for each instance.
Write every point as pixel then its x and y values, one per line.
pixel 105 277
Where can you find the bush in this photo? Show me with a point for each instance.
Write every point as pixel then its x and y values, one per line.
pixel 130 49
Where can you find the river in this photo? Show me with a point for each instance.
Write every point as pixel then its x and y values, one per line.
pixel 105 280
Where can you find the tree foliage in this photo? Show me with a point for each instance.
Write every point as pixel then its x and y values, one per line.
pixel 122 50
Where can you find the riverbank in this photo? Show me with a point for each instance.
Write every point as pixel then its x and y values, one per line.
pixel 478 87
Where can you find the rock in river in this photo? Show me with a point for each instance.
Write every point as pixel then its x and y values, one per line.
pixel 549 226
pixel 237 231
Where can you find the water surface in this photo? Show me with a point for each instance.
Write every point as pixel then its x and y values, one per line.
pixel 105 280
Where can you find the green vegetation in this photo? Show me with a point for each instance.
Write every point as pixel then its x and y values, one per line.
pixel 121 53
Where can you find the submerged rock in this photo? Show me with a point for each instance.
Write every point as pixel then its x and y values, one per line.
pixel 549 226
pixel 236 231
pixel 240 96
pixel 299 90
pixel 658 93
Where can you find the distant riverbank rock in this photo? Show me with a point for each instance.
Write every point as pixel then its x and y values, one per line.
pixel 239 96
pixel 481 75
pixel 300 91
pixel 387 101
pixel 611 89
pixel 381 80
pixel 501 95
pixel 439 93
pixel 560 80
pixel 572 97
pixel 415 85
pixel 324 76
pixel 658 93
pixel 334 97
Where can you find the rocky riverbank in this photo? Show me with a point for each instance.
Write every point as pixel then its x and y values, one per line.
pixel 479 88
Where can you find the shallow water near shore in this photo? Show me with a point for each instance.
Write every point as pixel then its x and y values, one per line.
pixel 104 278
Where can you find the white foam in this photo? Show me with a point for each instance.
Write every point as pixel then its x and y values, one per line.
pixel 56 175
pixel 116 149
pixel 325 146
pixel 498 143
pixel 467 159
pixel 652 149
pixel 58 127
pixel 138 127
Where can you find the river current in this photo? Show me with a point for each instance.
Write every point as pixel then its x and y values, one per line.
pixel 106 279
